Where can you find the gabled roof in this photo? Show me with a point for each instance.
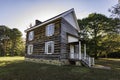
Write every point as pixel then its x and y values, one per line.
pixel 62 15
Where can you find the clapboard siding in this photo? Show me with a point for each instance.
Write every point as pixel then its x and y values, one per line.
pixel 39 47
pixel 66 28
pixel 61 46
pixel 40 38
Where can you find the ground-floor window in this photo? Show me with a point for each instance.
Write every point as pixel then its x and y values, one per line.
pixel 30 49
pixel 49 47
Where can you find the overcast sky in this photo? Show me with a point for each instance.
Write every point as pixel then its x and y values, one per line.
pixel 20 13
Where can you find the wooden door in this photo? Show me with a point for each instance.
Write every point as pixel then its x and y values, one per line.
pixel 72 50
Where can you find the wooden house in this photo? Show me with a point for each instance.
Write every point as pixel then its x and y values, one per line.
pixel 56 41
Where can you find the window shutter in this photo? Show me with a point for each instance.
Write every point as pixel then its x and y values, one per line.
pixel 45 47
pixel 46 30
pixel 53 27
pixel 52 46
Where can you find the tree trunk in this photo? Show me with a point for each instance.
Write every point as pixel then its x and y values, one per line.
pixel 95 43
pixel 13 48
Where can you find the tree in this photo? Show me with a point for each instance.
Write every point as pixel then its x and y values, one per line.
pixel 98 26
pixel 15 37
pixel 95 24
pixel 4 37
pixel 11 42
pixel 110 44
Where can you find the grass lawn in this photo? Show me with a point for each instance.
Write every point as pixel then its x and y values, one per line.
pixel 15 68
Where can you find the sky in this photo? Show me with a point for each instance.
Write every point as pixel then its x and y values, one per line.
pixel 21 13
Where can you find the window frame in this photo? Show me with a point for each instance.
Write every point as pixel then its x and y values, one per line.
pixel 50 29
pixel 31 35
pixel 52 47
pixel 30 49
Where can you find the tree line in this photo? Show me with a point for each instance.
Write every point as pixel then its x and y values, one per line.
pixel 101 33
pixel 11 42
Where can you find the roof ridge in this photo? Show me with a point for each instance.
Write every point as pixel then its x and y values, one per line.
pixel 55 17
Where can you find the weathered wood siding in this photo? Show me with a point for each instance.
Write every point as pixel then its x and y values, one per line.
pixel 66 29
pixel 61 47
pixel 40 38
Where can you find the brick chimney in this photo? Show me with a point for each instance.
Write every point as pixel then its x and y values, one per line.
pixel 37 22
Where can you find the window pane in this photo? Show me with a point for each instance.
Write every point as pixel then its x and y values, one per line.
pixel 31 35
pixel 30 49
pixel 50 29
pixel 49 48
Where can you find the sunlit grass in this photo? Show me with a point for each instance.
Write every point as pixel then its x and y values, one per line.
pixel 15 68
pixel 112 59
pixel 11 58
pixel 111 62
pixel 8 60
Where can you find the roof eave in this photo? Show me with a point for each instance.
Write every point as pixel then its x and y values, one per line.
pixel 65 13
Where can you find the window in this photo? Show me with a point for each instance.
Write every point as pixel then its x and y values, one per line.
pixel 50 30
pixel 30 49
pixel 49 47
pixel 31 35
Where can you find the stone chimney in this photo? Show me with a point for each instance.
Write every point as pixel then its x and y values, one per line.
pixel 37 22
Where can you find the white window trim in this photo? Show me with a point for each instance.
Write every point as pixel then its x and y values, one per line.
pixel 31 35
pixel 49 28
pixel 30 47
pixel 46 47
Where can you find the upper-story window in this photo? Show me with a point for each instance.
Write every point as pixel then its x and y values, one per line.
pixel 31 35
pixel 50 29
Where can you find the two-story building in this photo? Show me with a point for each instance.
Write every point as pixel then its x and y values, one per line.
pixel 56 41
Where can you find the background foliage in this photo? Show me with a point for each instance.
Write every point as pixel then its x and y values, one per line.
pixel 103 35
pixel 11 42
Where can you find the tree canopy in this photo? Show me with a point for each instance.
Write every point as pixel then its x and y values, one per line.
pixel 11 42
pixel 101 32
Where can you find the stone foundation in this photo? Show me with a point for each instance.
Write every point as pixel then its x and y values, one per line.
pixel 78 63
pixel 65 62
pixel 53 62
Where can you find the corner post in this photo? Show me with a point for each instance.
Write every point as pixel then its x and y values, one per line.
pixel 80 50
pixel 84 51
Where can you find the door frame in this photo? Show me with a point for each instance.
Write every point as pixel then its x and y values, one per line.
pixel 72 51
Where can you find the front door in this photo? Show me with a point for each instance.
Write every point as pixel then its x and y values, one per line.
pixel 72 50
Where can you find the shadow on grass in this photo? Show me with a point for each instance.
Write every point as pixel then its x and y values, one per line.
pixel 21 70
pixel 114 64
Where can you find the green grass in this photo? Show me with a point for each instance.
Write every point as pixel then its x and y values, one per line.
pixel 111 62
pixel 15 68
